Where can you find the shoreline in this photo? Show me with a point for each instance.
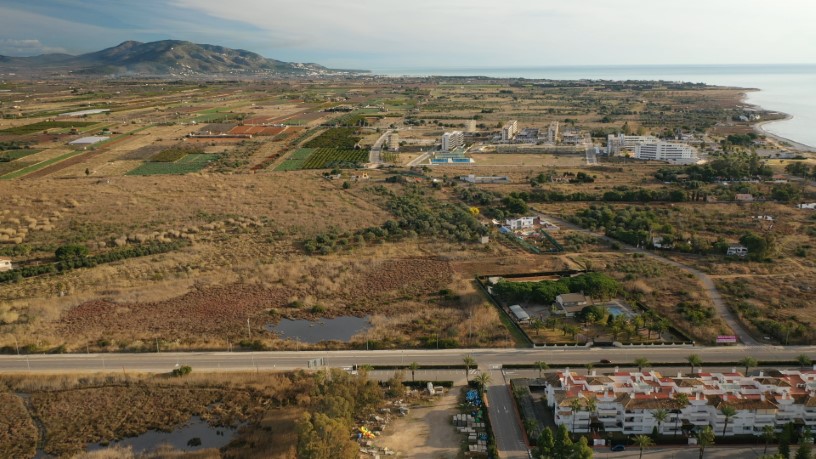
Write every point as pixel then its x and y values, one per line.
pixel 759 127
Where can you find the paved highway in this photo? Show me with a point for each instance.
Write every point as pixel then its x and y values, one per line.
pixel 486 358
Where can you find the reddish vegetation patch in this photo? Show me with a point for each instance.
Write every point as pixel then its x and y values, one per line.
pixel 411 275
pixel 254 121
pixel 215 311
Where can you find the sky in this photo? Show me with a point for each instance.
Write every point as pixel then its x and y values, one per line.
pixel 383 34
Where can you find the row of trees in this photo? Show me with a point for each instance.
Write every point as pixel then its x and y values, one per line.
pixel 77 256
pixel 735 166
pixel 595 285
pixel 801 169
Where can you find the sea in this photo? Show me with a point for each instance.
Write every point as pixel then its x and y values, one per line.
pixel 789 89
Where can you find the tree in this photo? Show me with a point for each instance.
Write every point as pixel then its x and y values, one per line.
pixel 413 366
pixel 71 252
pixel 695 361
pixel 797 168
pixel 482 379
pixel 727 411
pixel 469 362
pixel 563 443
pixel 541 366
pixel 768 434
pixel 546 443
pixel 682 401
pixel 575 405
pixel 804 360
pixel 660 416
pixel 592 407
pixel 182 371
pixel 642 441
pixel 536 324
pixel 581 450
pixel 321 437
pixel 748 362
pixel 705 438
pixel 805 450
pixel 641 362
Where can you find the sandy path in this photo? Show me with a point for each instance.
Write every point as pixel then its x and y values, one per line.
pixel 426 432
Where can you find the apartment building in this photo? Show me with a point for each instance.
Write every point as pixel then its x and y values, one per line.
pixel 667 151
pixel 452 140
pixel 628 402
pixel 509 131
pixel 616 143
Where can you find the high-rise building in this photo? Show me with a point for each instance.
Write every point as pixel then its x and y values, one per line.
pixel 509 130
pixel 452 140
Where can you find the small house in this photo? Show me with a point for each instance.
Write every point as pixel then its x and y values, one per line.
pixel 737 251
pixel 659 243
pixel 520 223
pixel 810 206
pixel 744 197
pixel 5 264
pixel 571 303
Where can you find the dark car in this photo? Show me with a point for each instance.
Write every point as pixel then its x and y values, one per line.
pixel 618 448
pixel 606 361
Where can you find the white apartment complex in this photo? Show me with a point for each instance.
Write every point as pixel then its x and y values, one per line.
pixel 509 131
pixel 616 143
pixel 452 140
pixel 667 151
pixel 626 402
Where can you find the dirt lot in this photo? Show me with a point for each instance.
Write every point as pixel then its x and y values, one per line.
pixel 426 432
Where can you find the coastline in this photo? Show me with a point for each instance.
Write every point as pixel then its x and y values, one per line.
pixel 794 145
pixel 759 127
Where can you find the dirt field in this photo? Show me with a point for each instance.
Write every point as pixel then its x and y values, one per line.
pixel 426 432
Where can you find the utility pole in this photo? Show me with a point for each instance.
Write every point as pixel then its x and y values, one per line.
pixel 249 330
pixel 16 344
pixel 157 345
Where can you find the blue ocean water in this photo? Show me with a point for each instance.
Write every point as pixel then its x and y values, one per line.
pixel 789 89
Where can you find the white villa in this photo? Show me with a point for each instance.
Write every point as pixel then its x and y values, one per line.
pixel 626 402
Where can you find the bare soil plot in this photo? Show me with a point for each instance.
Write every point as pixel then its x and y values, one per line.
pixel 426 432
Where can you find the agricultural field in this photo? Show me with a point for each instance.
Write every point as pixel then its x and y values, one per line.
pixel 41 165
pixel 12 155
pixel 296 160
pixel 185 165
pixel 259 244
pixel 44 126
pixel 327 158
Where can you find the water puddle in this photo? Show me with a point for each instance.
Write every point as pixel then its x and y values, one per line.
pixel 307 331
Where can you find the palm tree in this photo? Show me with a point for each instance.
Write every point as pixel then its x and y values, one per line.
pixel 804 360
pixel 727 411
pixel 660 416
pixel 768 433
pixel 748 362
pixel 705 438
pixel 413 366
pixel 469 362
pixel 482 379
pixel 641 362
pixel 541 366
pixel 682 401
pixel 536 324
pixel 695 361
pixel 589 366
pixel 643 441
pixel 592 407
pixel 575 404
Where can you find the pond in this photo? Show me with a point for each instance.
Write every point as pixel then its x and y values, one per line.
pixel 307 331
pixel 182 438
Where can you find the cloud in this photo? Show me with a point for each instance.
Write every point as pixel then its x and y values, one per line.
pixel 26 47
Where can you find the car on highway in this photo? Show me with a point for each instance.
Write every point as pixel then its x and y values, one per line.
pixel 618 448
pixel 606 361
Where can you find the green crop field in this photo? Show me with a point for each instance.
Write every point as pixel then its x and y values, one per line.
pixel 185 165
pixel 35 167
pixel 296 160
pixel 45 125
pixel 12 155
pixel 325 158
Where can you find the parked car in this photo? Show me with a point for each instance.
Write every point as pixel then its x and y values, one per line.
pixel 618 448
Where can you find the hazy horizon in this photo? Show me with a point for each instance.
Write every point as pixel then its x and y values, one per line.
pixel 462 34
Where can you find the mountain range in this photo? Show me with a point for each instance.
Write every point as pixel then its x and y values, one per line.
pixel 166 57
